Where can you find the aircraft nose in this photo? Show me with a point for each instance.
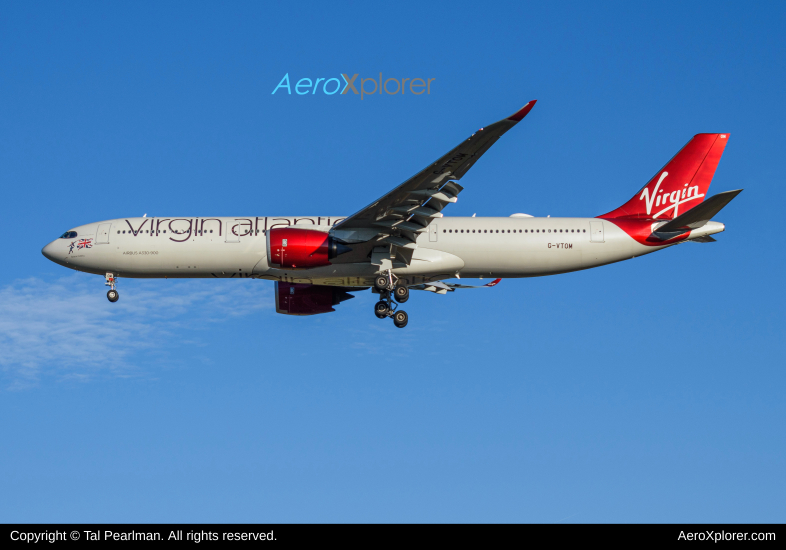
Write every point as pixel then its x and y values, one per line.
pixel 49 251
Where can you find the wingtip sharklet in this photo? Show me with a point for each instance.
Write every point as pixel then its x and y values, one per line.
pixel 521 113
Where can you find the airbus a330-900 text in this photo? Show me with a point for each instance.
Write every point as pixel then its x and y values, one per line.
pixel 402 241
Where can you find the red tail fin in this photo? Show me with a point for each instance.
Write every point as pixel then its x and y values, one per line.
pixel 678 186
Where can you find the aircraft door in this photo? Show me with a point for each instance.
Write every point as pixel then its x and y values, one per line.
pixel 432 233
pixel 231 232
pixel 102 236
pixel 596 232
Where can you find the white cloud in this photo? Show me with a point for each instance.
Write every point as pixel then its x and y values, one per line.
pixel 67 328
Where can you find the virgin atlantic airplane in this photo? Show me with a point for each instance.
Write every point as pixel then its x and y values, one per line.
pixel 401 241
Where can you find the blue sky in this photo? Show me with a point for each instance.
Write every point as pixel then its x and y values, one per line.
pixel 650 390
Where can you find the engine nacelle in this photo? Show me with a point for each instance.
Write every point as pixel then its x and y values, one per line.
pixel 290 248
pixel 305 299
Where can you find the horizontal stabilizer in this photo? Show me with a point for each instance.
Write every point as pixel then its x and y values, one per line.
pixel 700 214
pixel 704 239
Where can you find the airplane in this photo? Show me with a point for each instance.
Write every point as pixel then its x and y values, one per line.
pixel 402 241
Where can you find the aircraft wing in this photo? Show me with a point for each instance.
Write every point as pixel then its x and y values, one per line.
pixel 438 287
pixel 397 217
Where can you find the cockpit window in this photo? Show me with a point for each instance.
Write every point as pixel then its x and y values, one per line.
pixel 68 235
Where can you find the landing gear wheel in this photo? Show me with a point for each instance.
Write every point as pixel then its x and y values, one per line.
pixel 401 294
pixel 381 283
pixel 113 296
pixel 381 309
pixel 400 319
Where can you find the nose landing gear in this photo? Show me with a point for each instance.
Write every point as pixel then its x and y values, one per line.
pixel 388 290
pixel 112 295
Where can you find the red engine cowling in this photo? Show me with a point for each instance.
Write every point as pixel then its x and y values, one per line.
pixel 290 248
pixel 304 299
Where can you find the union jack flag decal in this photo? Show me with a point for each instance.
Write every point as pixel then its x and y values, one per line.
pixel 84 243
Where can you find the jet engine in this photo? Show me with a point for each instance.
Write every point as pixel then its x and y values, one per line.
pixel 305 299
pixel 290 248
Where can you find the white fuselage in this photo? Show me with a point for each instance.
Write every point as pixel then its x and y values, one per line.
pixel 236 247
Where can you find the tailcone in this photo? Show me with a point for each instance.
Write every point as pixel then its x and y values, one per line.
pixel 709 228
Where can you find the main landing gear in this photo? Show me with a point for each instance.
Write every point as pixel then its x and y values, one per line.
pixel 388 290
pixel 112 295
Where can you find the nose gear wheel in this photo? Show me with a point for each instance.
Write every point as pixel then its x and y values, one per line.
pixel 112 295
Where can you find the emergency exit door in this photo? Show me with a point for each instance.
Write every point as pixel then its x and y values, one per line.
pixel 231 235
pixel 432 233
